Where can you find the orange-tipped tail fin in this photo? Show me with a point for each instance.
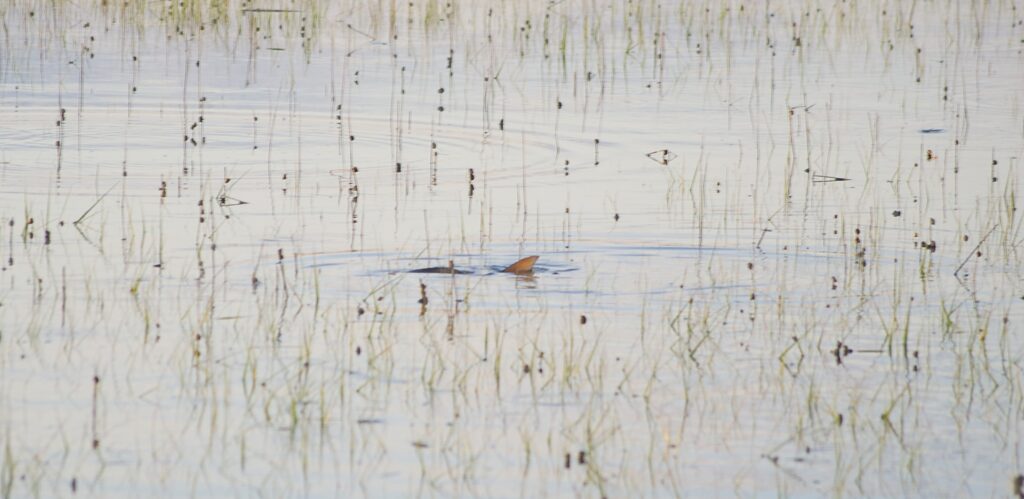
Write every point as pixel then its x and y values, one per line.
pixel 524 266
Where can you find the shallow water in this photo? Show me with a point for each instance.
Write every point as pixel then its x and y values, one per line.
pixel 209 214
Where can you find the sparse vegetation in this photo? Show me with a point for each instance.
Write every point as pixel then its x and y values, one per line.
pixel 780 248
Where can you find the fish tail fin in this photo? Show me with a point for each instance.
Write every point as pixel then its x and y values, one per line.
pixel 524 266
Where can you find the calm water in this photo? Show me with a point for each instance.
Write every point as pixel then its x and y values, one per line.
pixel 780 248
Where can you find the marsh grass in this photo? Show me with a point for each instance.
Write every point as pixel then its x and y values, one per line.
pixel 810 285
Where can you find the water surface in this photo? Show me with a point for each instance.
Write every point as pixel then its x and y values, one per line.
pixel 779 248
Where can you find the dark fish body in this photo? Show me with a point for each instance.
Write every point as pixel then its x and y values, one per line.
pixel 521 267
pixel 440 270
